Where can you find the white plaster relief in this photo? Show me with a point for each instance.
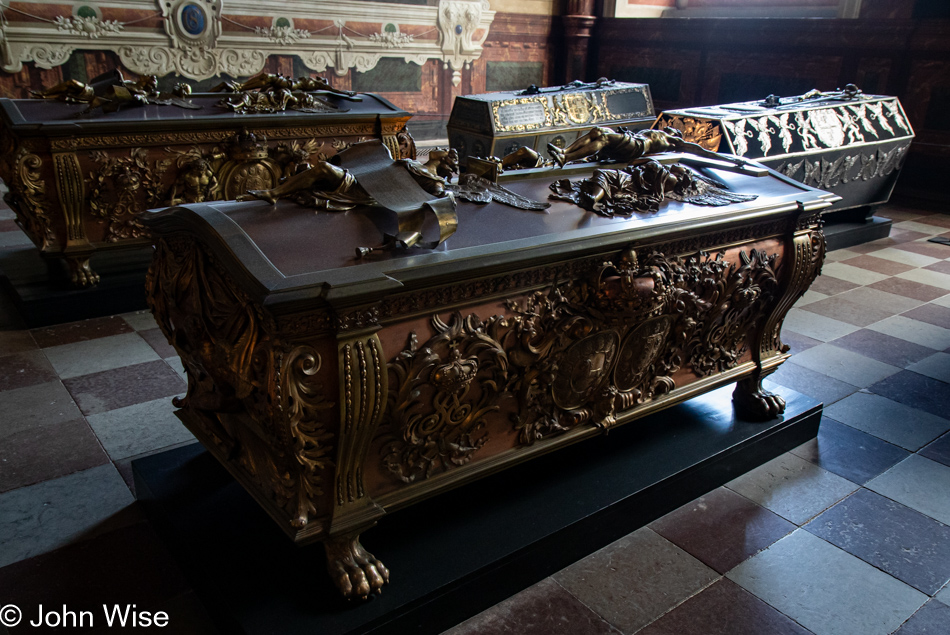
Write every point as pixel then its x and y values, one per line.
pixel 200 55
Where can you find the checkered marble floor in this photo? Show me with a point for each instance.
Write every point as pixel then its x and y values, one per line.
pixel 847 534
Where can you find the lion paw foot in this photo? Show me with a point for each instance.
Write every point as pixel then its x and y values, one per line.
pixel 757 403
pixel 355 571
pixel 81 273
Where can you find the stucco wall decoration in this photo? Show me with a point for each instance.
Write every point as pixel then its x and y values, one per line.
pixel 198 39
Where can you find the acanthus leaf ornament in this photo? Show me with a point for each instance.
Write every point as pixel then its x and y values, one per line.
pixel 120 187
pixel 575 354
pixel 231 356
pixel 303 403
pixel 28 196
pixel 91 27
pixel 284 35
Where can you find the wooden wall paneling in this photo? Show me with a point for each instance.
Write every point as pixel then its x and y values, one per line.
pixel 928 102
pixel 744 75
pixel 672 74
pixel 887 9
pixel 873 74
pixel 517 38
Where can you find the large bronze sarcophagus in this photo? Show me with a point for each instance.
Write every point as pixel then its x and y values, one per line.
pixel 79 168
pixel 337 389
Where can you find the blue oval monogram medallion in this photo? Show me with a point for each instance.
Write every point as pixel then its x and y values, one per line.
pixel 193 19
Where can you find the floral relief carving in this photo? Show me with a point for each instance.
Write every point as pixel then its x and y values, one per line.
pixel 285 35
pixel 578 353
pixel 90 27
pixel 189 40
pixel 122 186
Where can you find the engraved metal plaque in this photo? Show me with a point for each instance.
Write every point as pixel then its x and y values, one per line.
pixel 524 114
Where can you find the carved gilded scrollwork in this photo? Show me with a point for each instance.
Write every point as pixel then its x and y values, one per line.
pixel 727 299
pixel 703 305
pixel 244 162
pixel 206 136
pixel 72 195
pixel 704 132
pixel 542 326
pixel 579 353
pixel 363 389
pixel 405 144
pixel 441 393
pixel 232 358
pixel 122 186
pixel 28 198
pixel 803 265
pixel 637 355
pixel 305 407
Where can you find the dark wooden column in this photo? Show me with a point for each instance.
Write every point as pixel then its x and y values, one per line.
pixel 578 20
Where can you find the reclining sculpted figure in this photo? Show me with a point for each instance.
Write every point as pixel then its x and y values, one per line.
pixel 641 187
pixel 629 145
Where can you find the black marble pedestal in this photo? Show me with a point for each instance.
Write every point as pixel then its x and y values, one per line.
pixel 842 234
pixel 454 555
pixel 43 295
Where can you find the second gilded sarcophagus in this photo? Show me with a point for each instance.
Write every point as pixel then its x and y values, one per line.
pixel 844 141
pixel 499 123
pixel 79 169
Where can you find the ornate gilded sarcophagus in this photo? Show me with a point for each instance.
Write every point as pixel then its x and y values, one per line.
pixel 76 181
pixel 844 141
pixel 338 389
pixel 496 124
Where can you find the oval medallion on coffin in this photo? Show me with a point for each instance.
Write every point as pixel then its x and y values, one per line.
pixel 583 369
pixel 828 127
pixel 639 351
pixel 250 175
